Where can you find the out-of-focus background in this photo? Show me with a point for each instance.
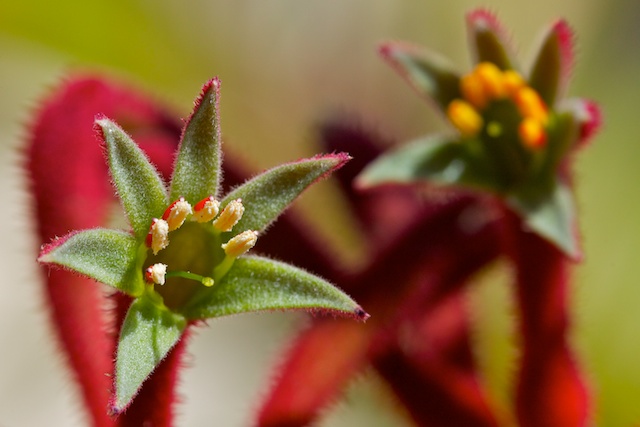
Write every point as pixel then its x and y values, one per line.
pixel 285 64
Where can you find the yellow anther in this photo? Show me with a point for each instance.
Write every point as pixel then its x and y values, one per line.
pixel 473 90
pixel 492 80
pixel 158 237
pixel 512 82
pixel 229 216
pixel 240 244
pixel 206 209
pixel 177 213
pixel 530 105
pixel 156 273
pixel 464 117
pixel 532 133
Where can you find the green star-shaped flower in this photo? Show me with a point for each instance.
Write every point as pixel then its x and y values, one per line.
pixel 515 130
pixel 184 259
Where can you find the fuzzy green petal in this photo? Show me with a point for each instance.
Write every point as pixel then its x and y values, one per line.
pixel 108 256
pixel 149 331
pixel 430 74
pixel 267 195
pixel 139 185
pixel 436 159
pixel 553 62
pixel 197 170
pixel 552 216
pixel 259 284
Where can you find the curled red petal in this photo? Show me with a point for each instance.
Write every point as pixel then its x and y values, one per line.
pixel 316 370
pixel 71 188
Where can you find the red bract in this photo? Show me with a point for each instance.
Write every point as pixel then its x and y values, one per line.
pixel 70 183
pixel 411 286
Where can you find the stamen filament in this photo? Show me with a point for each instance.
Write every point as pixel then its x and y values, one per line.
pixel 207 281
pixel 223 268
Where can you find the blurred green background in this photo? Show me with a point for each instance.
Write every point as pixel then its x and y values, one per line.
pixel 284 65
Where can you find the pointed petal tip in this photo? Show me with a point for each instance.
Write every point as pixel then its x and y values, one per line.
pixel 566 41
pixel 116 408
pixel 102 124
pixel 46 249
pixel 339 159
pixel 385 49
pixel 391 48
pixel 210 88
pixel 361 314
pixel 484 19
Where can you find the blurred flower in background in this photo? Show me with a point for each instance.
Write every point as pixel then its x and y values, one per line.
pixel 285 65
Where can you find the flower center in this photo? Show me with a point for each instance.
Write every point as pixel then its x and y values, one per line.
pixel 487 95
pixel 187 249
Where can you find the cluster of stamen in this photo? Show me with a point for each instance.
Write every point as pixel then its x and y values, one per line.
pixel 487 83
pixel 206 210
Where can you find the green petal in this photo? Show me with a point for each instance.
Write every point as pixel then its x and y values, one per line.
pixel 563 134
pixel 149 331
pixel 139 186
pixel 434 159
pixel 267 195
pixel 552 215
pixel 488 38
pixel 258 284
pixel 197 171
pixel 553 62
pixel 108 256
pixel 429 74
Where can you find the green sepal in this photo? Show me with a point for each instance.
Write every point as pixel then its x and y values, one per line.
pixel 552 62
pixel 434 159
pixel 108 256
pixel 149 331
pixel 488 40
pixel 259 284
pixel 430 74
pixel 550 213
pixel 197 170
pixel 139 185
pixel 267 195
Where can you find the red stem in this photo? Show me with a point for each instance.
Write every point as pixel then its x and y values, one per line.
pixel 550 390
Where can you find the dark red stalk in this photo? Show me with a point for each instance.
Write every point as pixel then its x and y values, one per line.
pixel 551 392
pixel 387 288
